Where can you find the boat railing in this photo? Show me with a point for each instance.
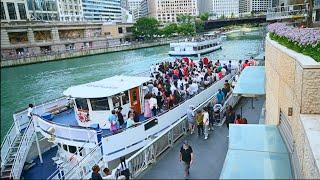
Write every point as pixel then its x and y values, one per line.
pixel 143 157
pixel 76 134
pixel 141 160
pixel 69 165
pixel 21 118
pixel 22 151
pixel 7 142
pixel 83 167
pixel 165 111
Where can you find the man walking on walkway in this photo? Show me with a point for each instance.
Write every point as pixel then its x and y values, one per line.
pixel 186 155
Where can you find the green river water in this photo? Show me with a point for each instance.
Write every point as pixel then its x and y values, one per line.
pixel 37 83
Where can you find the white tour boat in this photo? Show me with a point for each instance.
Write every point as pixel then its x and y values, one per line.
pixel 76 125
pixel 195 47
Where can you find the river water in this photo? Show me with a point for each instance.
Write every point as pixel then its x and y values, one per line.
pixel 37 83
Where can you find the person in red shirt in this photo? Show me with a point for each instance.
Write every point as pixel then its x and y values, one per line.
pixel 240 120
pixel 176 72
pixel 245 64
pixel 205 61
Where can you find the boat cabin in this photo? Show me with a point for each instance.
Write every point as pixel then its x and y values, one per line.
pixel 93 102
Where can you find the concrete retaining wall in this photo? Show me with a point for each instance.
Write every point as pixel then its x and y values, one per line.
pixel 293 81
pixel 45 58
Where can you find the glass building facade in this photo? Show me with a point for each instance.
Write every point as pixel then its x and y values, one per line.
pixel 102 10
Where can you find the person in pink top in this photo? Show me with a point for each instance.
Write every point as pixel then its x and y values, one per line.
pixel 147 110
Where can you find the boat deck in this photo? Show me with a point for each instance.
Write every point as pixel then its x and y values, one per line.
pixel 209 154
pixel 67 118
pixel 42 171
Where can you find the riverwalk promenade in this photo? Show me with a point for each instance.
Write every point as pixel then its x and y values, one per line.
pixel 209 154
pixel 60 55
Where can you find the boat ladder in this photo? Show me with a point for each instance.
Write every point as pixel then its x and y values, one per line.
pixel 14 151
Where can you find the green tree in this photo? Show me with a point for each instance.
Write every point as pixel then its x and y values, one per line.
pixel 184 18
pixel 186 29
pixel 146 27
pixel 204 16
pixel 169 30
pixel 199 26
pixel 222 17
pixel 232 15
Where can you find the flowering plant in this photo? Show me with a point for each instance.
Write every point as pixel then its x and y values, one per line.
pixel 302 40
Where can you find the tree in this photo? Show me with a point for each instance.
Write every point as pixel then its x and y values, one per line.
pixel 204 16
pixel 146 27
pixel 222 16
pixel 186 29
pixel 184 18
pixel 232 15
pixel 169 30
pixel 199 26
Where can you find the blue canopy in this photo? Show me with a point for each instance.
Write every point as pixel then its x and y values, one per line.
pixel 251 82
pixel 256 152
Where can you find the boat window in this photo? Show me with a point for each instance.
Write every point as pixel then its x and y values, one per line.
pixel 134 95
pixel 172 49
pixel 116 100
pixel 99 104
pixel 72 149
pixel 82 104
pixel 125 98
pixel 195 48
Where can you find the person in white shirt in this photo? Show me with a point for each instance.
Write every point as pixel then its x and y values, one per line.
pixel 206 122
pixel 155 90
pixel 172 88
pixel 153 105
pixel 30 111
pixel 194 87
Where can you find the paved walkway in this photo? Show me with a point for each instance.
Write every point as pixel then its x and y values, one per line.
pixel 209 154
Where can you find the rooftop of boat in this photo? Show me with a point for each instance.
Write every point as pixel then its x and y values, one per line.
pixel 105 87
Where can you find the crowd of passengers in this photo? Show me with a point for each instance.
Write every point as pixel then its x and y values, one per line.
pixel 171 84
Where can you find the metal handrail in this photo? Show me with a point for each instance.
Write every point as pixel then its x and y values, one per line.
pixel 7 142
pixel 174 137
pixel 151 118
pixel 22 151
pixel 73 169
pixel 57 171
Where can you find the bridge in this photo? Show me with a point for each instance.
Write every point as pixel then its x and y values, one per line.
pixel 212 24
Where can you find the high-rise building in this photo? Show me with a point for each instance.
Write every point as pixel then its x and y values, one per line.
pixel 70 10
pixel 43 10
pixel 205 6
pixel 244 6
pixel 138 8
pixel 125 4
pixel 167 11
pixel 226 8
pixel 14 10
pixel 260 5
pixel 102 10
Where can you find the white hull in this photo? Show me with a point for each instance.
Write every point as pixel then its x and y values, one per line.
pixel 127 141
pixel 195 53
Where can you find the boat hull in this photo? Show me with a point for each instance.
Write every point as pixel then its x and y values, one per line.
pixel 195 53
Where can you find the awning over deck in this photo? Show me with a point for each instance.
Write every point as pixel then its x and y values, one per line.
pixel 251 82
pixel 256 152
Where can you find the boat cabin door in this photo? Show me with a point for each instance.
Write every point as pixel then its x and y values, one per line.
pixel 135 99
